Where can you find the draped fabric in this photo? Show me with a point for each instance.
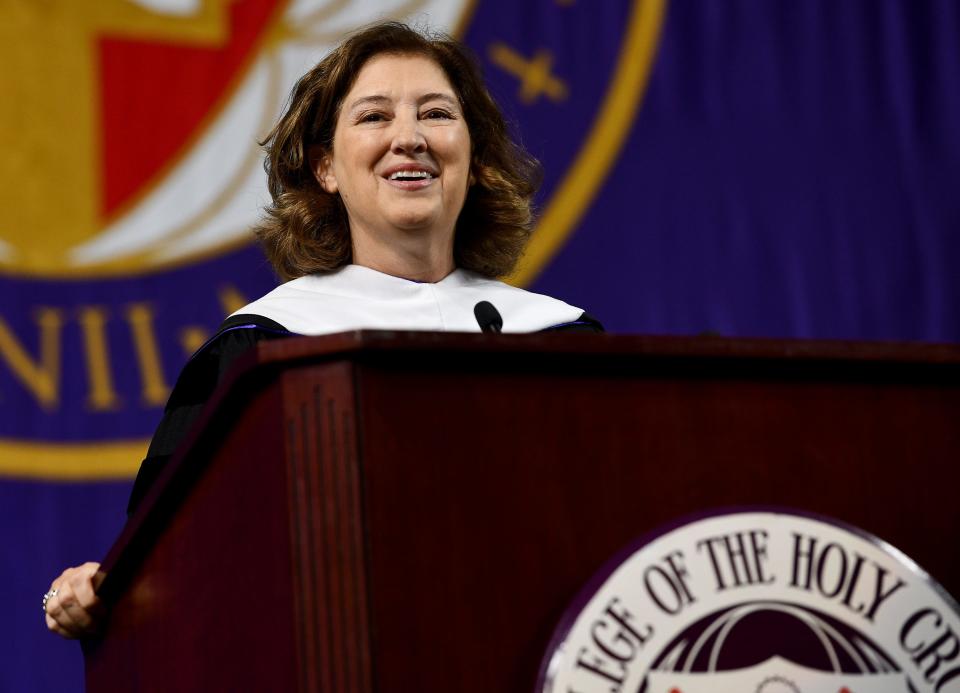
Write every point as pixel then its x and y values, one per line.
pixel 745 168
pixel 791 173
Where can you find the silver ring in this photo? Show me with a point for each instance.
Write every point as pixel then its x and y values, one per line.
pixel 46 598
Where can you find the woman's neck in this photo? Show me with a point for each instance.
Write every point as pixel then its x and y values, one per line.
pixel 415 260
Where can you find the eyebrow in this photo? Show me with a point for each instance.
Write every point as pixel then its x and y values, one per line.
pixel 381 99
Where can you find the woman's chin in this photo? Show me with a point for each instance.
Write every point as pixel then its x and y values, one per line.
pixel 416 223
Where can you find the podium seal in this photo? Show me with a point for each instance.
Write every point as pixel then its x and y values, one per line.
pixel 764 601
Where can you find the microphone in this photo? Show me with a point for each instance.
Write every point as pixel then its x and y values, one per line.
pixel 488 317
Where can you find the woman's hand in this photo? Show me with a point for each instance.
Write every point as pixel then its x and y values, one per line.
pixel 72 607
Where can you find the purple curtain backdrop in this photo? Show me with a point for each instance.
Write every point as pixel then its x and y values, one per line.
pixel 792 173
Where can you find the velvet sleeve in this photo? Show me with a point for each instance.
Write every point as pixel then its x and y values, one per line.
pixel 196 383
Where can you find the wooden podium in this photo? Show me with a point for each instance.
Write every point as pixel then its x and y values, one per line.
pixel 378 511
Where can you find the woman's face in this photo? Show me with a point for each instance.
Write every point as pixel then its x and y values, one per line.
pixel 401 151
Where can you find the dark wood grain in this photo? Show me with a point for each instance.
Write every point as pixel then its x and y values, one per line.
pixel 329 558
pixel 414 511
pixel 209 603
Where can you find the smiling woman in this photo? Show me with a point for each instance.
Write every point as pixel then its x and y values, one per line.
pixel 401 165
pixel 335 106
pixel 397 199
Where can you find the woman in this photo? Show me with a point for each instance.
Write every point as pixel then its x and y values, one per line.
pixel 398 197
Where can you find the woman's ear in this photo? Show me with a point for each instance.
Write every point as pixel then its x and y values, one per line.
pixel 322 165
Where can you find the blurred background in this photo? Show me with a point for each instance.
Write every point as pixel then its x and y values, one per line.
pixel 749 168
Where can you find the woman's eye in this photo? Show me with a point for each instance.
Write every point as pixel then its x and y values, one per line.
pixel 373 117
pixel 437 113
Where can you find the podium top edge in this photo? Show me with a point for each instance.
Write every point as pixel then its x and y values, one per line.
pixel 643 347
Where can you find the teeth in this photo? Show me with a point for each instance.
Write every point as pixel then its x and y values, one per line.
pixel 410 174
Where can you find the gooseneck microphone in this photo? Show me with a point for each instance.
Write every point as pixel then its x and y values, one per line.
pixel 488 317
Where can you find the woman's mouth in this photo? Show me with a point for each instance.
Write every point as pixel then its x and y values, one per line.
pixel 413 179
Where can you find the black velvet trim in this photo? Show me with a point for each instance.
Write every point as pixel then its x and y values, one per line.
pixel 251 319
pixel 585 323
pixel 150 469
pixel 196 383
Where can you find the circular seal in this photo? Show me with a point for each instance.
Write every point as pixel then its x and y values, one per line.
pixel 761 601
pixel 126 238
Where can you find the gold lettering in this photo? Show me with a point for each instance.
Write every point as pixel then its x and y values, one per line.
pixel 534 74
pixel 192 338
pixel 41 377
pixel 155 389
pixel 101 395
pixel 231 300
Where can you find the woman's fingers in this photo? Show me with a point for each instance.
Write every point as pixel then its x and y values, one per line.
pixel 85 597
pixel 57 608
pixel 75 610
pixel 98 575
pixel 56 627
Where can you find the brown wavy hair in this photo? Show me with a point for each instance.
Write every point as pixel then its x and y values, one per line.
pixel 305 229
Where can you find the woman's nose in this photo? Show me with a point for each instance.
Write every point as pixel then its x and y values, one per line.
pixel 408 135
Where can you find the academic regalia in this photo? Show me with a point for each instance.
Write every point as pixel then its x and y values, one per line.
pixel 350 298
